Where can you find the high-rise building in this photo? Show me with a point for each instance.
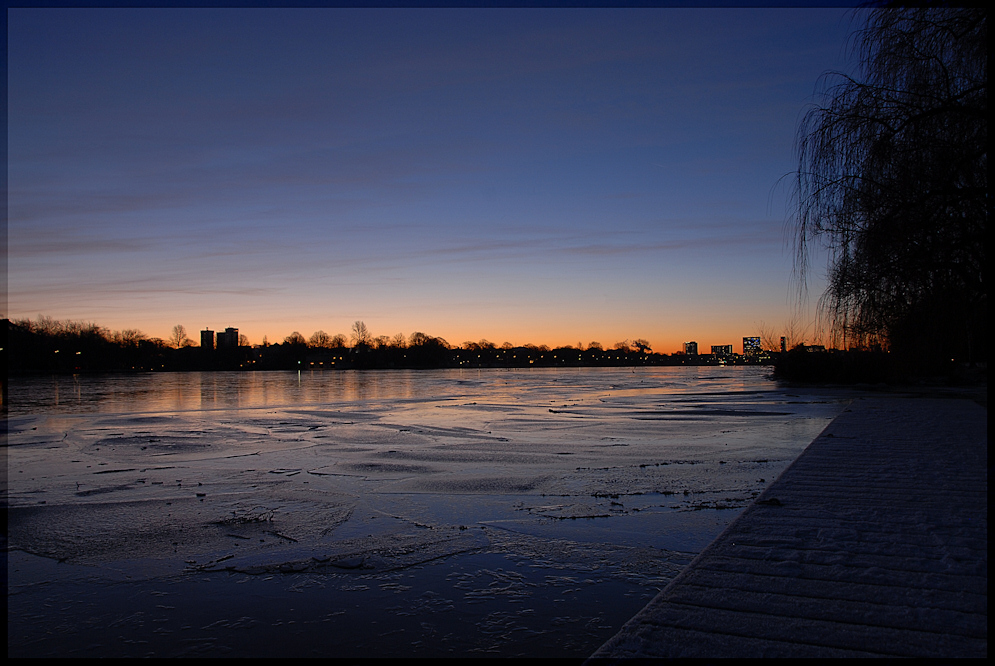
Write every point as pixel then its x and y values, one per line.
pixel 722 350
pixel 691 348
pixel 228 339
pixel 751 346
pixel 207 339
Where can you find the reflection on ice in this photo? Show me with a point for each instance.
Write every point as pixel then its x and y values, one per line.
pixel 451 477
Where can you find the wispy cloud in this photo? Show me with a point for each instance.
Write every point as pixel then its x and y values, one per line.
pixel 384 159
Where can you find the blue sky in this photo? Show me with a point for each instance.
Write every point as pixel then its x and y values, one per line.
pixel 547 176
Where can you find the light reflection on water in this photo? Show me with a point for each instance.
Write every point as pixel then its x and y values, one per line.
pixel 183 391
pixel 393 491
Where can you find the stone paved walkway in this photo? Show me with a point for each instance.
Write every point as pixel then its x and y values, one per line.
pixel 874 542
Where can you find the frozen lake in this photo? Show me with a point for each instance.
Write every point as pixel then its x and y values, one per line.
pixel 378 513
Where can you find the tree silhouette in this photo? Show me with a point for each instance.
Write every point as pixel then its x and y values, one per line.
pixel 129 337
pixel 178 337
pixel 769 340
pixel 295 339
pixel 419 339
pixel 893 178
pixel 361 335
pixel 320 340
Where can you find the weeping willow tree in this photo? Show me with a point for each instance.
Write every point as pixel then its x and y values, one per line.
pixel 893 179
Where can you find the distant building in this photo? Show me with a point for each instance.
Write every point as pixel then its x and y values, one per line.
pixel 207 339
pixel 722 350
pixel 691 348
pixel 228 339
pixel 751 346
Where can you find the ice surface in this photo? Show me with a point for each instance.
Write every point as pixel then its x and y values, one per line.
pixel 578 492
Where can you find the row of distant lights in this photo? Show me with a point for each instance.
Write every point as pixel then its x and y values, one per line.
pixel 579 358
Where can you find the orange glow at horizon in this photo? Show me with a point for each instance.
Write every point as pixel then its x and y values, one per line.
pixel 662 339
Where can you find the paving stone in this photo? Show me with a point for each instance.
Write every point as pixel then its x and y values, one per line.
pixel 873 542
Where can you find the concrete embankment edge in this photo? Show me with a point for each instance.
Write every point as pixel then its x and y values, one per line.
pixel 874 542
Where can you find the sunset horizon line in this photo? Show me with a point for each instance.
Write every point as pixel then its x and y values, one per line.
pixel 194 337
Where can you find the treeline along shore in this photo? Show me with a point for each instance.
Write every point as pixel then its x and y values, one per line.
pixel 54 347
pixel 75 348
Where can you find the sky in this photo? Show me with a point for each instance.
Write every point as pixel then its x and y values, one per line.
pixel 543 176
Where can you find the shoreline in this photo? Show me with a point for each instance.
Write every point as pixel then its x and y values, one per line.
pixel 836 558
pixel 532 512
